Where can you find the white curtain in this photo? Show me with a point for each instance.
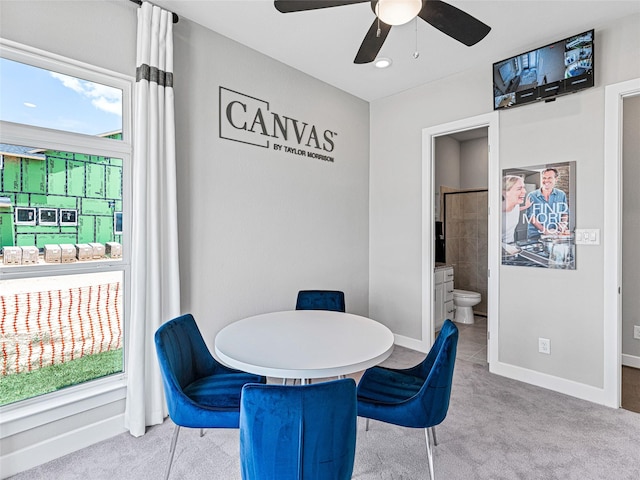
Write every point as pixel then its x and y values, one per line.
pixel 155 287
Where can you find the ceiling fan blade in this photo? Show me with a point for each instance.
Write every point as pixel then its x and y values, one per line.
pixel 372 43
pixel 288 6
pixel 454 22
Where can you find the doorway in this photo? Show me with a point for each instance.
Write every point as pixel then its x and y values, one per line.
pixel 630 386
pixel 482 126
pixel 620 348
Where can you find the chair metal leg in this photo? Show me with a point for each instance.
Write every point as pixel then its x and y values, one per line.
pixel 433 434
pixel 174 440
pixel 429 453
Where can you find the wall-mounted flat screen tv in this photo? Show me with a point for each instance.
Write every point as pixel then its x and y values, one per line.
pixel 545 73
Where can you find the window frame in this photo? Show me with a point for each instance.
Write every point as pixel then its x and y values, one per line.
pixel 35 411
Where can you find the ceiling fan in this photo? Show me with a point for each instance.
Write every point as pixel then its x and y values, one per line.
pixel 448 19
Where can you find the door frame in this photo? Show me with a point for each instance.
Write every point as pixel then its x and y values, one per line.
pixel 612 334
pixel 429 135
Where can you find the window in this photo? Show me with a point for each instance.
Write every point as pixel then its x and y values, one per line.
pixel 46 97
pixel 64 176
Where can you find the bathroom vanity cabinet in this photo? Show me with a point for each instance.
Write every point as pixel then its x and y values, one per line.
pixel 444 308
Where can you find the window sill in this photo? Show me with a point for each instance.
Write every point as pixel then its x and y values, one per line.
pixel 31 413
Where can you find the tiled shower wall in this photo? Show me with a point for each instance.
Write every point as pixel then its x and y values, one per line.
pixel 466 231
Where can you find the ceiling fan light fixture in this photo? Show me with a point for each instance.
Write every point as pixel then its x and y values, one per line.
pixel 397 12
pixel 382 62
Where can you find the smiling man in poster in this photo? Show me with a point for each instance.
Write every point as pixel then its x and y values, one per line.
pixel 543 235
pixel 548 213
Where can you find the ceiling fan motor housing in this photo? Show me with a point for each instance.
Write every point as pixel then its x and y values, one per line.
pixel 396 12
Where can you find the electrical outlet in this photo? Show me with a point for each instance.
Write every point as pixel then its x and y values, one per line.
pixel 544 345
pixel 636 332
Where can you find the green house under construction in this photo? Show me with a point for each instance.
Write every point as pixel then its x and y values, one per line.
pixel 54 197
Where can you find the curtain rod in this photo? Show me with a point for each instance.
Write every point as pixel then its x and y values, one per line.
pixel 175 15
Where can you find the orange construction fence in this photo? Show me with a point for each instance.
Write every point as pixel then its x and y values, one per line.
pixel 38 329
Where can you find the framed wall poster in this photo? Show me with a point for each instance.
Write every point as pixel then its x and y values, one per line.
pixel 538 216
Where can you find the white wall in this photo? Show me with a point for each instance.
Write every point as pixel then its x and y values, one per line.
pixel 564 306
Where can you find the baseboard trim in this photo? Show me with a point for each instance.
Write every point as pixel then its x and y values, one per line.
pixel 56 447
pixel 630 361
pixel 412 343
pixel 557 384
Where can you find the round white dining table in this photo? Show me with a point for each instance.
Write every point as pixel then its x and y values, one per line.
pixel 304 344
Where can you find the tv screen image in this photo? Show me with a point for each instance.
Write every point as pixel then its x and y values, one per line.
pixel 559 68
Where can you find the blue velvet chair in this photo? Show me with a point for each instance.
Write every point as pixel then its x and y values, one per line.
pixel 332 300
pixel 416 397
pixel 200 392
pixel 305 432
pixel 320 300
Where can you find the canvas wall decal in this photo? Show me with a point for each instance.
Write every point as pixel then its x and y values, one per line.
pixel 538 216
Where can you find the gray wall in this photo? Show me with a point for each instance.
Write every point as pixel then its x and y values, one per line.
pixel 631 226
pixel 257 225
pixel 564 306
pixel 446 171
pixel 474 163
pixel 76 30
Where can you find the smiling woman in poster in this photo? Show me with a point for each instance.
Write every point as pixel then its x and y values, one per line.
pixel 513 195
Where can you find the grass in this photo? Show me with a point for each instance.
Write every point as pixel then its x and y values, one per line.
pixel 21 386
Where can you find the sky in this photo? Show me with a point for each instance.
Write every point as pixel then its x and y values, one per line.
pixel 38 97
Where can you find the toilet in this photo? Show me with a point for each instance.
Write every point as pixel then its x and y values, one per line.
pixel 464 301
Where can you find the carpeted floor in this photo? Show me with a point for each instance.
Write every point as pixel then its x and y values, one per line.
pixel 496 429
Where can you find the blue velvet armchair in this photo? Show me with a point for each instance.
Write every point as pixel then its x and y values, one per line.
pixel 305 432
pixel 320 300
pixel 416 397
pixel 200 392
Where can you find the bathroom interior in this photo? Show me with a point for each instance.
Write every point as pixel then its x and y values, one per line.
pixel 461 230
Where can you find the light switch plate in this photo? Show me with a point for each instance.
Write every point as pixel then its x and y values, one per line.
pixel 587 236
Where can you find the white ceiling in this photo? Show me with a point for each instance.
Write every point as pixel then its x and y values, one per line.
pixel 323 43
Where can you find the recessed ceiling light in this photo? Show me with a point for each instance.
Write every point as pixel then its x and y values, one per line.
pixel 383 62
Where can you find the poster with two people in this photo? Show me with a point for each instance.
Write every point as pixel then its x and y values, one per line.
pixel 538 216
